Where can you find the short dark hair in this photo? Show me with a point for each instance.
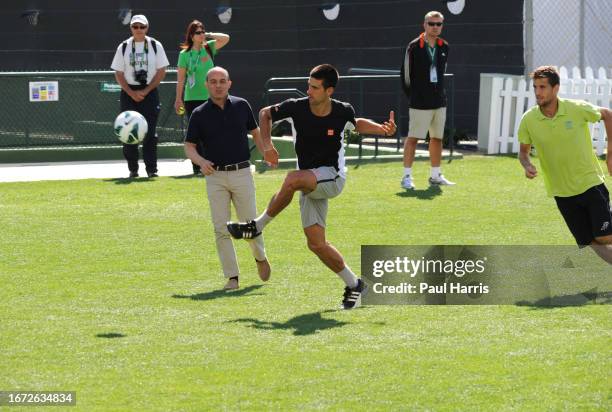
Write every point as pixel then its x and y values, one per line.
pixel 546 72
pixel 327 73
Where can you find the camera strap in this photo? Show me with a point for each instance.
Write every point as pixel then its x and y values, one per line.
pixel 133 55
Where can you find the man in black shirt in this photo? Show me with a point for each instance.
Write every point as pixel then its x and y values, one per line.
pixel 320 124
pixel 422 77
pixel 220 126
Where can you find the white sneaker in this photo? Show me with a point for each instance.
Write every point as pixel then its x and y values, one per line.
pixel 407 182
pixel 441 181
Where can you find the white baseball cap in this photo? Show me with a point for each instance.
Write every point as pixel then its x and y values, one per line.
pixel 139 18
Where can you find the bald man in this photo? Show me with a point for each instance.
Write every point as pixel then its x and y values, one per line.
pixel 220 126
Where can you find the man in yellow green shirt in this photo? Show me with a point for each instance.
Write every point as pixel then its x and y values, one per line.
pixel 558 129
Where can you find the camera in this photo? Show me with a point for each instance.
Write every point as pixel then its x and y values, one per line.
pixel 141 77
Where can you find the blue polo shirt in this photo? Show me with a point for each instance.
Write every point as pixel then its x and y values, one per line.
pixel 222 133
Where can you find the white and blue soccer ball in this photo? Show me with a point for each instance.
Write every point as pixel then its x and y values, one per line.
pixel 131 127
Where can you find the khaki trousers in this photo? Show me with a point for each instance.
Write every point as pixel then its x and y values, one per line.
pixel 225 188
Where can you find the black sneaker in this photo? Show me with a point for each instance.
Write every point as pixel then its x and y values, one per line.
pixel 352 297
pixel 246 230
pixel 133 175
pixel 152 174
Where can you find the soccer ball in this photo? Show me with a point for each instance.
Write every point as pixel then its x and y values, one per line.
pixel 131 127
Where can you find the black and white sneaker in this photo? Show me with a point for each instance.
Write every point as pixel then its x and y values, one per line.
pixel 352 297
pixel 246 230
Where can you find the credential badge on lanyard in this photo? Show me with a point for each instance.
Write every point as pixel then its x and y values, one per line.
pixel 192 67
pixel 433 73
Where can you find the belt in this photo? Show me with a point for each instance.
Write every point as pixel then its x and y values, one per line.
pixel 235 166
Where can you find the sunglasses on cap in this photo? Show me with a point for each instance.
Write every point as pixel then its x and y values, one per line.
pixel 434 23
pixel 139 27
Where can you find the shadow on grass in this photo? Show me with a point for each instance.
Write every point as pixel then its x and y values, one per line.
pixel 221 293
pixel 188 176
pixel 301 325
pixel 575 300
pixel 423 194
pixel 111 335
pixel 129 180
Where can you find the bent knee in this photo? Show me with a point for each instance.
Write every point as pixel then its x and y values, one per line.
pixel 317 246
pixel 292 182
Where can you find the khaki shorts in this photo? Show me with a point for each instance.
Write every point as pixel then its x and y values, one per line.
pixel 313 205
pixel 422 121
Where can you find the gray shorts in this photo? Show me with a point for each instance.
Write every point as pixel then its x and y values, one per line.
pixel 313 205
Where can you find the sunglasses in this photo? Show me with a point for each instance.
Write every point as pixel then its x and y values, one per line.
pixel 199 32
pixel 138 27
pixel 431 23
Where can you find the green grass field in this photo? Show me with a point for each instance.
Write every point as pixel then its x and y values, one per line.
pixel 111 288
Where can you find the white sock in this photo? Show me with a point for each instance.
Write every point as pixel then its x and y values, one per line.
pixel 407 171
pixel 435 172
pixel 348 277
pixel 263 220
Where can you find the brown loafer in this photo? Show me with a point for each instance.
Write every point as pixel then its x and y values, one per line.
pixel 231 284
pixel 264 269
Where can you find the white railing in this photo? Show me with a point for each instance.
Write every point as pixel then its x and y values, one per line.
pixel 511 96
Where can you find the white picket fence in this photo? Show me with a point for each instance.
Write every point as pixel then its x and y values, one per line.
pixel 511 97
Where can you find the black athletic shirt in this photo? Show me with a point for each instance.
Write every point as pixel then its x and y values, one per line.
pixel 222 132
pixel 423 94
pixel 319 141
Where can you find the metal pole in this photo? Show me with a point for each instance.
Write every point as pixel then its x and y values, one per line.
pixel 581 38
pixel 452 117
pixel 398 118
pixel 528 30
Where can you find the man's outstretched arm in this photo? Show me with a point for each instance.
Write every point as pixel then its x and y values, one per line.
pixel 367 126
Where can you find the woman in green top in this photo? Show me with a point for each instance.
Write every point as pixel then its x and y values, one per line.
pixel 195 60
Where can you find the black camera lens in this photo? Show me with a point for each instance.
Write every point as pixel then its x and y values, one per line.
pixel 141 77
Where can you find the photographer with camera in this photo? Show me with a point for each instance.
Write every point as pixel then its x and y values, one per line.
pixel 140 65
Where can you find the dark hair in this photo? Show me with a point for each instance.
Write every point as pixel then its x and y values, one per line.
pixel 546 72
pixel 327 73
pixel 191 28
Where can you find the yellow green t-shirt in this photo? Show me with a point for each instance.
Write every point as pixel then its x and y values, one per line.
pixel 196 63
pixel 564 147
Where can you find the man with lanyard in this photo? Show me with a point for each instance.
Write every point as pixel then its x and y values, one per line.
pixel 558 129
pixel 140 65
pixel 220 127
pixel 320 125
pixel 422 78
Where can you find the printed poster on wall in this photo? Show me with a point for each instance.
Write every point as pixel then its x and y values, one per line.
pixel 44 91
